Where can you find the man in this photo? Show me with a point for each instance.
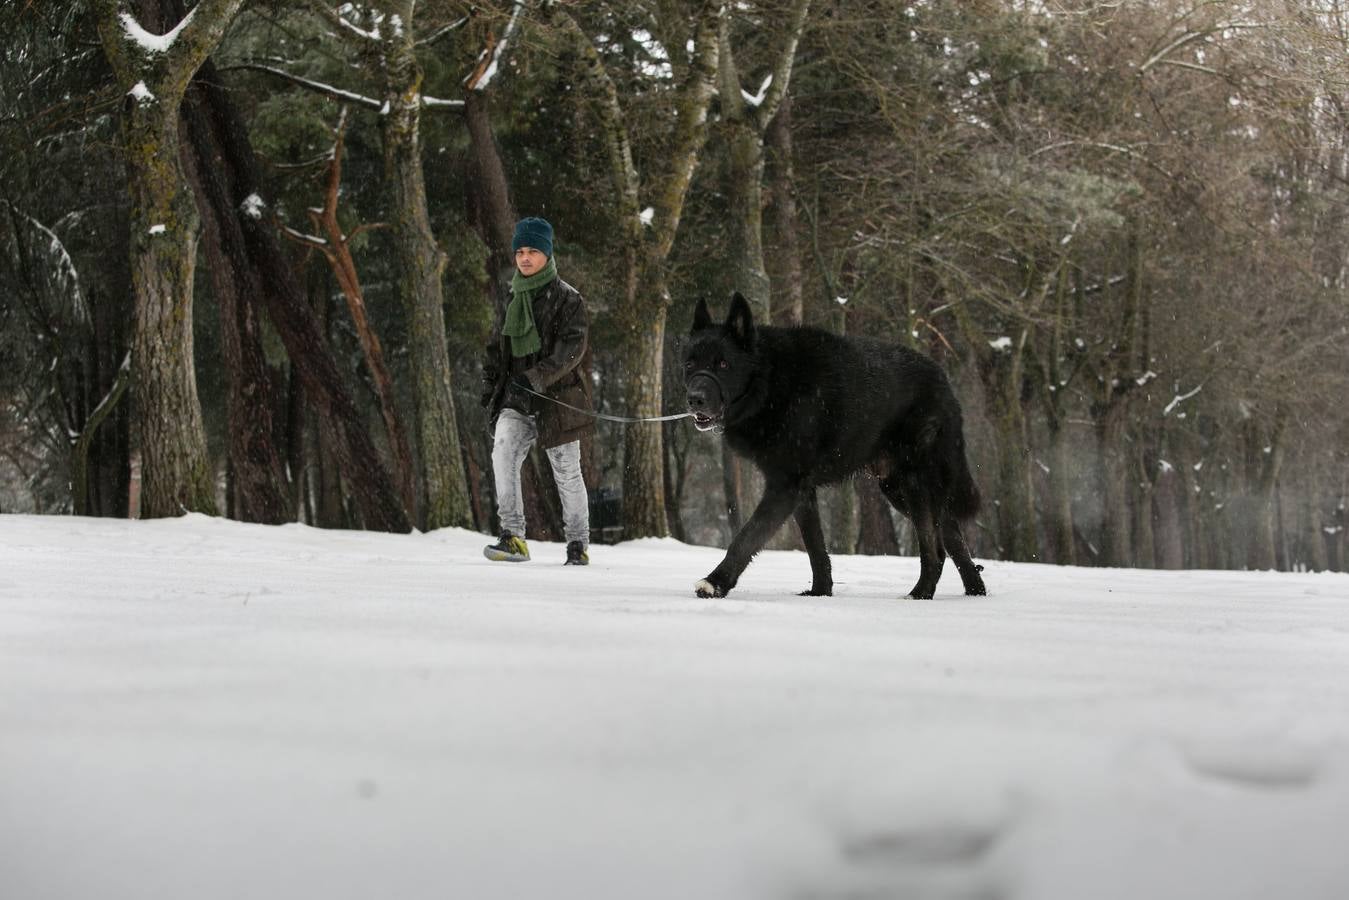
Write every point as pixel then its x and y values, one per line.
pixel 539 347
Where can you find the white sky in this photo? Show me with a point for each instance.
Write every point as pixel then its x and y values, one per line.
pixel 198 708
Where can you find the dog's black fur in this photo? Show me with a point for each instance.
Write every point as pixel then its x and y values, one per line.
pixel 810 408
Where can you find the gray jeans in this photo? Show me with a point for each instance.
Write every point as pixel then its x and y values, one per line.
pixel 515 434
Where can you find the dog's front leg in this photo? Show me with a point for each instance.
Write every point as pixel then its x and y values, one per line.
pixel 777 503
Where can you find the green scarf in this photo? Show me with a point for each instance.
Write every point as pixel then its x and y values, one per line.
pixel 519 324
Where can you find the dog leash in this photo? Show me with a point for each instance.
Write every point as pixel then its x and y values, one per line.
pixel 607 418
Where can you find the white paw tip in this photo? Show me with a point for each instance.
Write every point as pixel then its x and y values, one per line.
pixel 704 588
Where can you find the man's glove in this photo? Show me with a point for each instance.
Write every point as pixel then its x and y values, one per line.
pixel 517 396
pixel 490 373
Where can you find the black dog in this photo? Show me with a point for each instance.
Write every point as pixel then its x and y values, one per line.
pixel 811 408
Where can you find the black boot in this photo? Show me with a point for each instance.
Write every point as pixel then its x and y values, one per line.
pixel 577 555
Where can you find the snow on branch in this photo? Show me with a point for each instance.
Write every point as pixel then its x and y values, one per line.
pixel 437 103
pixel 317 86
pixel 444 30
pixel 301 238
pixel 1180 398
pixel 483 75
pixel 756 100
pixel 164 61
pixel 338 18
pixel 336 93
pixel 152 44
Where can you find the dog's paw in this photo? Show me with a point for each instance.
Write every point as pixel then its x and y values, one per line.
pixel 814 591
pixel 707 589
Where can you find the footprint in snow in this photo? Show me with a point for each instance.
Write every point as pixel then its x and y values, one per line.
pixel 940 862
pixel 1256 764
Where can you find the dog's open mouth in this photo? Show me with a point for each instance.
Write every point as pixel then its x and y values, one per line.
pixel 704 422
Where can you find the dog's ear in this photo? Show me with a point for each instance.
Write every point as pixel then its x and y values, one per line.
pixel 740 321
pixel 701 317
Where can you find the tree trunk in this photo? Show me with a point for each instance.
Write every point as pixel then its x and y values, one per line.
pixel 646 245
pixel 1113 474
pixel 1337 537
pixel 81 486
pixel 744 262
pixel 1168 539
pixel 841 535
pixel 338 253
pixel 109 458
pixel 489 196
pixel 273 283
pixel 421 264
pixel 789 286
pixel 640 352
pixel 259 474
pixel 1059 514
pixel 1015 508
pixel 176 476
pixel 1144 538
pixel 1268 460
pixel 876 530
pixel 296 459
pixel 674 485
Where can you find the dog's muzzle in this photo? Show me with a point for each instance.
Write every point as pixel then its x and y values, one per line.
pixel 705 400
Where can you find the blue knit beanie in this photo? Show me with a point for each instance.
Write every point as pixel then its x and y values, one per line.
pixel 533 232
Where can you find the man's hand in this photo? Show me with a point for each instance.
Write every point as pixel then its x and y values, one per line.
pixel 517 394
pixel 491 372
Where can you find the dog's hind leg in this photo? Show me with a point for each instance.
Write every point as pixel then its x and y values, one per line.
pixel 954 542
pixel 777 503
pixel 808 520
pixel 907 494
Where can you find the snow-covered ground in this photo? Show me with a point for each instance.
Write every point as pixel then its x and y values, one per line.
pixel 202 709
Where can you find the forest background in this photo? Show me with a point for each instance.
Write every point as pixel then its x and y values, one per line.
pixel 250 253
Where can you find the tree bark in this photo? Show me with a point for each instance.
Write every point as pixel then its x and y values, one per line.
pixel 646 245
pixel 744 259
pixel 421 265
pixel 80 490
pixel 876 531
pixel 789 284
pixel 258 471
pixel 272 282
pixel 490 208
pixel 1267 461
pixel 1168 537
pixel 640 356
pixel 1015 507
pixel 176 475
pixel 1142 507
pixel 744 126
pixel 1112 473
pixel 335 247
pixel 1059 515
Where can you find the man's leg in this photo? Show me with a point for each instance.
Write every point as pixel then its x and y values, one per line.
pixel 571 488
pixel 510 445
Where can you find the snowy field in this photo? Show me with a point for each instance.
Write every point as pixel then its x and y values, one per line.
pixel 202 709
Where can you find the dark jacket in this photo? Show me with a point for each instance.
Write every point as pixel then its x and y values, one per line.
pixel 561 369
